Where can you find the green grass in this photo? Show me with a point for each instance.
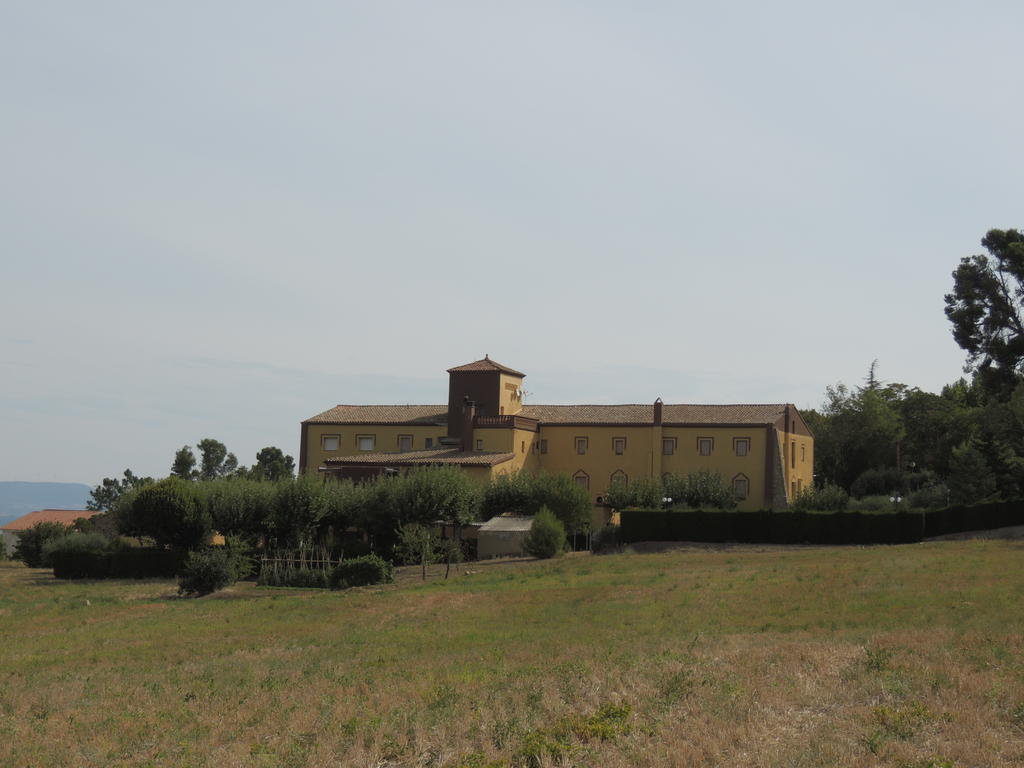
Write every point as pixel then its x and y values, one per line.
pixel 773 657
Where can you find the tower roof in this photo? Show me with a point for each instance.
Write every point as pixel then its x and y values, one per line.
pixel 485 366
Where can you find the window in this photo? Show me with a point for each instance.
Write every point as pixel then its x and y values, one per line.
pixel 429 443
pixel 581 478
pixel 366 442
pixel 581 445
pixel 479 445
pixel 522 448
pixel 741 445
pixel 405 442
pixel 330 442
pixel 619 477
pixel 705 445
pixel 619 445
pixel 740 486
pixel 803 453
pixel 668 446
pixel 792 454
pixel 792 489
pixel 543 446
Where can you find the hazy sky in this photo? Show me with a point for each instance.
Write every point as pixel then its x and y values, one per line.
pixel 218 219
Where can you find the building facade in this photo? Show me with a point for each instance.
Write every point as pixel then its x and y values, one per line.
pixel 764 452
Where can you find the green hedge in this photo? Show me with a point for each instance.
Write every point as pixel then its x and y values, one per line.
pixel 768 527
pixel 123 563
pixel 361 571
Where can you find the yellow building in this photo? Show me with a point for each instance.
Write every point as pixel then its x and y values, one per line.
pixel 765 452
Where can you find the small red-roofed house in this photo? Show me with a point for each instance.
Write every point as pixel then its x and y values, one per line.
pixel 10 531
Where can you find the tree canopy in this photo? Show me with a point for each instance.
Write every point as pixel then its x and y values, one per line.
pixel 985 309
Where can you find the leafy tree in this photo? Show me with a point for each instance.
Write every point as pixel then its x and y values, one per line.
pixel 31 543
pixel 437 494
pixel 299 511
pixel 418 544
pixel 184 465
pixel 450 551
pixel 171 513
pixel 215 460
pixel 699 490
pixel 547 535
pixel 970 479
pixel 985 310
pixel 105 495
pixel 643 493
pixel 856 430
pixel 272 464
pixel 566 499
pixel 238 507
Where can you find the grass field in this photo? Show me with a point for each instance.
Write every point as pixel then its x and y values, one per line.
pixel 898 656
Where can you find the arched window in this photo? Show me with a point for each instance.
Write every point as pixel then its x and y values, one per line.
pixel 618 476
pixel 740 486
pixel 582 478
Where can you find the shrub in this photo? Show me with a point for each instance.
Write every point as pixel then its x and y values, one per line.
pixel 606 539
pixel 547 535
pixel 29 548
pixel 872 504
pixel 205 571
pixel 361 572
pixel 829 498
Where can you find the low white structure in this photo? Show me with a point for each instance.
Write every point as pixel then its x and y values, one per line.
pixel 502 536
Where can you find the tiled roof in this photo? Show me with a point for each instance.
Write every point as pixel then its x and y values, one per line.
pixel 65 516
pixel 644 414
pixel 484 365
pixel 383 414
pixel 437 415
pixel 589 414
pixel 722 414
pixel 432 456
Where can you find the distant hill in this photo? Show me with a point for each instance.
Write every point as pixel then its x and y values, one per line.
pixel 17 498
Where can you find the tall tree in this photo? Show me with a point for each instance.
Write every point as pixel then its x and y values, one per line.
pixel 215 460
pixel 184 465
pixel 985 309
pixel 105 495
pixel 272 464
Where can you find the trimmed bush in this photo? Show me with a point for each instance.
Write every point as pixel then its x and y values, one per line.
pixel 547 535
pixel 205 571
pixel 768 527
pixel 72 555
pixel 361 572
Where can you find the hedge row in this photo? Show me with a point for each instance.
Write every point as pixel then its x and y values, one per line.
pixel 768 527
pixel 126 563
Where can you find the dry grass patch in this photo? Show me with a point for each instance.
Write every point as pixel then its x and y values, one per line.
pixel 894 656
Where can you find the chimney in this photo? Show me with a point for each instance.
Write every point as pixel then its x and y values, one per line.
pixel 657 412
pixel 468 415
